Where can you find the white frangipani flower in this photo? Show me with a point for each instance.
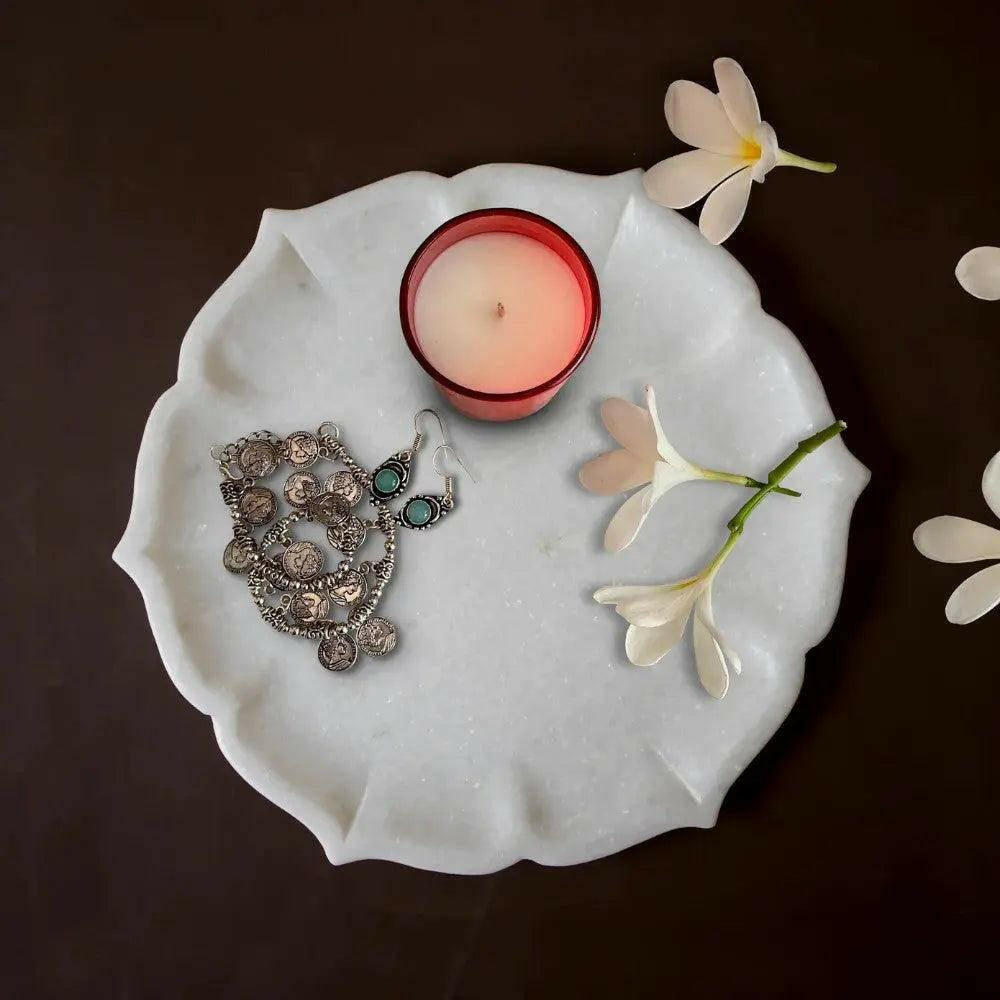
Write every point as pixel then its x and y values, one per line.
pixel 978 272
pixel 658 615
pixel 959 540
pixel 733 149
pixel 646 458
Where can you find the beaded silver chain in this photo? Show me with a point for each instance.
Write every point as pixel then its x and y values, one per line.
pixel 308 595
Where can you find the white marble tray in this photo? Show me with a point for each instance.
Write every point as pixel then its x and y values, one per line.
pixel 508 724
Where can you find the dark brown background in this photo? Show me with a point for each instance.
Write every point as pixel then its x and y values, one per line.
pixel 859 850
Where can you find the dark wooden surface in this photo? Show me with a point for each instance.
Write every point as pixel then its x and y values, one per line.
pixel 858 852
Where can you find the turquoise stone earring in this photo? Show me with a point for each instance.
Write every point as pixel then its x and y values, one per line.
pixel 391 478
pixel 424 510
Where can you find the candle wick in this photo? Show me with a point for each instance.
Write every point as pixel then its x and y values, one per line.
pixel 501 310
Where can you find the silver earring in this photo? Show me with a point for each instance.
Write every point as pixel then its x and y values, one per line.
pixel 423 510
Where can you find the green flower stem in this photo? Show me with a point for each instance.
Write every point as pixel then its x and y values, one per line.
pixel 774 478
pixel 747 481
pixel 791 160
pixel 720 556
pixel 777 474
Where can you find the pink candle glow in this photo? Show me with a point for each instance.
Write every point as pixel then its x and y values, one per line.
pixel 499 306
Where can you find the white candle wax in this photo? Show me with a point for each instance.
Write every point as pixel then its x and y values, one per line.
pixel 499 312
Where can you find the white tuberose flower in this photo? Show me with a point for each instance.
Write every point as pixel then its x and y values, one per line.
pixel 958 540
pixel 645 459
pixel 657 616
pixel 734 148
pixel 978 272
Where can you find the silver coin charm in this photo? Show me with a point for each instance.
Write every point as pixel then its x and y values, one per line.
pixel 236 557
pixel 348 536
pixel 337 652
pixel 302 560
pixel 308 607
pixel 351 587
pixel 344 485
pixel 329 509
pixel 377 636
pixel 258 505
pixel 301 449
pixel 258 459
pixel 300 488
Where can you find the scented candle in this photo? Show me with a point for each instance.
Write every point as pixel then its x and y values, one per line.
pixel 499 307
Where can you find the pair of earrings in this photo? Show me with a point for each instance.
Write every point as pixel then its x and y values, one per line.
pixel 392 477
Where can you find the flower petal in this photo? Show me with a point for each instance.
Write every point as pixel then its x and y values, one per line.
pixel 956 540
pixel 696 116
pixel 709 661
pixel 737 96
pixel 630 426
pixel 615 472
pixel 646 646
pixel 622 592
pixel 768 159
pixel 649 607
pixel 666 477
pixel 712 655
pixel 724 207
pixel 991 484
pixel 664 449
pixel 973 598
pixel 628 520
pixel 978 272
pixel 681 180
pixel 704 610
pixel 615 593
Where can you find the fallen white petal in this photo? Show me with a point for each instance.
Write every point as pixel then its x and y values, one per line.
pixel 646 646
pixel 666 451
pixel 737 96
pixel 724 207
pixel 696 116
pixel 630 426
pixel 956 539
pixel 991 484
pixel 768 159
pixel 615 472
pixel 978 272
pixel 628 520
pixel 681 180
pixel 973 598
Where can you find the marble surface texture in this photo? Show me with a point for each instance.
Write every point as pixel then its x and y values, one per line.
pixel 508 723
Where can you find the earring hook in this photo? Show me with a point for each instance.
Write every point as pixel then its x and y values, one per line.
pixel 420 434
pixel 446 447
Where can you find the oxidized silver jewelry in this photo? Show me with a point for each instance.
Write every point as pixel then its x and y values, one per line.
pixel 300 488
pixel 295 569
pixel 348 536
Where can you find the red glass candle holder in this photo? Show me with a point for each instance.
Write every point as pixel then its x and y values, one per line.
pixel 500 405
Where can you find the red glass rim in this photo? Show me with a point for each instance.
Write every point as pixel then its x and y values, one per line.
pixel 502 220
